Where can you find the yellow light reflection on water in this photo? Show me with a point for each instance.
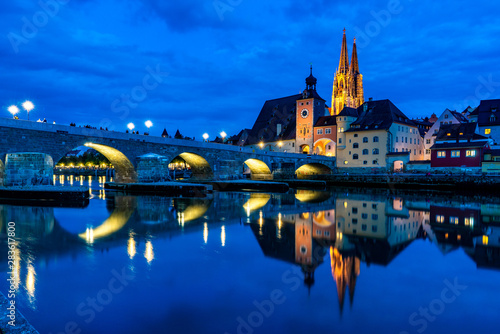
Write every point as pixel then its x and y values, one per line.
pixel 278 232
pixel 205 233
pixel 180 218
pixel 223 235
pixel 71 179
pixel 131 250
pixel 89 235
pixel 30 281
pixel 61 179
pixel 90 181
pixel 16 268
pixel 81 180
pixel 148 253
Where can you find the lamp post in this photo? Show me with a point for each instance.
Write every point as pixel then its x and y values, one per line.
pixel 223 135
pixel 28 106
pixel 261 145
pixel 131 126
pixel 13 109
pixel 205 136
pixel 148 124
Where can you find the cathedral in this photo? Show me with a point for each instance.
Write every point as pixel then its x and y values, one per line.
pixel 348 82
pixel 303 123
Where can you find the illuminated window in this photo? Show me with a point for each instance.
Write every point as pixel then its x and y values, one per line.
pixel 341 129
pixel 487 131
pixel 485 239
pixel 470 153
pixel 469 221
pixel 455 154
pixel 454 220
pixel 439 219
pixel 441 154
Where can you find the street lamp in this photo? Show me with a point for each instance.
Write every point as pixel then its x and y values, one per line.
pixel 205 136
pixel 223 134
pixel 13 109
pixel 261 145
pixel 28 106
pixel 148 124
pixel 280 143
pixel 131 126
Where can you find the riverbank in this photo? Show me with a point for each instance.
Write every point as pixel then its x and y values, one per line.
pixel 441 182
pixel 162 188
pixel 22 326
pixel 45 195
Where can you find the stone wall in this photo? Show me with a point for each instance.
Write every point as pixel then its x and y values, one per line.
pixel 152 169
pixel 28 169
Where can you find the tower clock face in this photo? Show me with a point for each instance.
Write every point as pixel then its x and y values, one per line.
pixel 304 113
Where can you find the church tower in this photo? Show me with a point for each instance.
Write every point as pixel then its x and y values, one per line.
pixel 348 82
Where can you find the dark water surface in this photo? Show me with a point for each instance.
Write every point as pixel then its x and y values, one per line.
pixel 302 262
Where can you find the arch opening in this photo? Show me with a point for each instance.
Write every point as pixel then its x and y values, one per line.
pixel 2 173
pixel 305 149
pixel 325 146
pixel 258 170
pixel 311 169
pixel 199 168
pixel 398 166
pixel 82 161
pixel 125 171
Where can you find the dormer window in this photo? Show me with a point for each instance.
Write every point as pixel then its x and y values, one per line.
pixel 461 133
pixel 446 116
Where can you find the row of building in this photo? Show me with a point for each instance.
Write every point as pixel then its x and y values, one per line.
pixel 375 133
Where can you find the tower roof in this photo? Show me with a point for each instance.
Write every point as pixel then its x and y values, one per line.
pixel 344 60
pixel 354 60
pixel 311 80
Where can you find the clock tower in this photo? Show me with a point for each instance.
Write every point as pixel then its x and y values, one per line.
pixel 309 108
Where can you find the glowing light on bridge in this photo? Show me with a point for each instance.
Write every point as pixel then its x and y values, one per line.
pixel 261 145
pixel 148 124
pixel 280 143
pixel 223 235
pixel 131 250
pixel 28 106
pixel 13 110
pixel 205 233
pixel 205 136
pixel 131 126
pixel 223 135
pixel 148 253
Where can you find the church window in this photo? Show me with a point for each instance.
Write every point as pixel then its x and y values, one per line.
pixel 355 157
pixel 365 151
pixel 365 139
pixel 375 139
pixel 355 145
pixel 375 151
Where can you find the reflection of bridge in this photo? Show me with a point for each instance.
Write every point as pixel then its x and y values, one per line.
pixel 207 160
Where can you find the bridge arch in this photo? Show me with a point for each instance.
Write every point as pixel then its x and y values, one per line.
pixel 2 173
pixel 259 169
pixel 200 167
pixel 312 169
pixel 124 169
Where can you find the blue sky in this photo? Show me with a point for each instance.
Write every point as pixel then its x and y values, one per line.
pixel 208 66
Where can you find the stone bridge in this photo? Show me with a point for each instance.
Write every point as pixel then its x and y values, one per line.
pixel 123 150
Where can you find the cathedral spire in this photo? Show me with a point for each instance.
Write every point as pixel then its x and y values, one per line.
pixel 344 59
pixel 354 60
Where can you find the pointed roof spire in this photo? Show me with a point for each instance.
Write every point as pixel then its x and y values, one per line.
pixel 354 60
pixel 344 60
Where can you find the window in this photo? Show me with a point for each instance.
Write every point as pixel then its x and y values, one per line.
pixel 493 118
pixel 365 151
pixel 446 116
pixel 355 145
pixel 375 139
pixel 374 206
pixel 406 140
pixel 374 216
pixel 375 151
pixel 414 151
pixel 455 154
pixel 363 227
pixel 365 139
pixel 427 141
pixel 469 221
pixel 354 210
pixel 397 139
pixel 319 131
pixel 470 153
pixel 329 147
pixel 374 162
pixel 340 140
pixel 355 135
pixel 439 219
pixel 328 131
pixel 374 228
pixel 487 131
pixel 441 154
pixel 454 220
pixel 341 129
pixel 365 162
pixel 410 140
pixel 364 215
pixel 355 157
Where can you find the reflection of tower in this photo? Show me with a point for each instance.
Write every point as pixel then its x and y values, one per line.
pixel 345 270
